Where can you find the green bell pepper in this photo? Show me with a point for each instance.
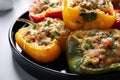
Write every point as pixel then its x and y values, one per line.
pixel 93 51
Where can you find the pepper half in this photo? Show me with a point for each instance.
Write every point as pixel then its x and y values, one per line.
pixel 43 41
pixel 88 14
pixel 93 51
pixel 30 41
pixel 41 9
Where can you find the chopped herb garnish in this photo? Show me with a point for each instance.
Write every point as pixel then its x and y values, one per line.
pixel 28 41
pixel 33 26
pixel 88 41
pixel 83 11
pixel 111 35
pixel 52 4
pixel 95 7
pixel 54 34
pixel 88 15
pixel 46 1
pixel 47 23
pixel 91 46
pixel 43 43
pixel 114 46
pixel 88 44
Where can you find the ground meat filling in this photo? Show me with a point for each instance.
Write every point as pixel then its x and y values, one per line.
pixel 103 5
pixel 48 30
pixel 101 47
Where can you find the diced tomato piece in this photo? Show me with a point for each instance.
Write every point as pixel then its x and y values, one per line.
pixel 32 38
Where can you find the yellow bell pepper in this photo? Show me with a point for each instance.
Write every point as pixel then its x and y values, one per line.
pixel 79 14
pixel 41 53
pixel 71 16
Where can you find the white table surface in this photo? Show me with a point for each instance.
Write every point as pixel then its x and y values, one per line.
pixel 9 69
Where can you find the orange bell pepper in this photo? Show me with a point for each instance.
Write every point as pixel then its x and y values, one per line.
pixel 79 14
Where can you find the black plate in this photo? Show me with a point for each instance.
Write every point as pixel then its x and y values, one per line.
pixel 57 70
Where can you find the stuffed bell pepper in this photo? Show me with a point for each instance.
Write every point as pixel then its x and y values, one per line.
pixel 93 51
pixel 40 9
pixel 88 14
pixel 42 41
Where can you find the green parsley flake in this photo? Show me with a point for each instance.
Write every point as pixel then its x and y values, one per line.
pixel 88 44
pixel 55 34
pixel 88 15
pixel 47 23
pixel 114 46
pixel 52 4
pixel 43 43
pixel 33 26
pixel 28 41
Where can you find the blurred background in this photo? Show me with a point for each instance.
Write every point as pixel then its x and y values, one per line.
pixel 10 10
